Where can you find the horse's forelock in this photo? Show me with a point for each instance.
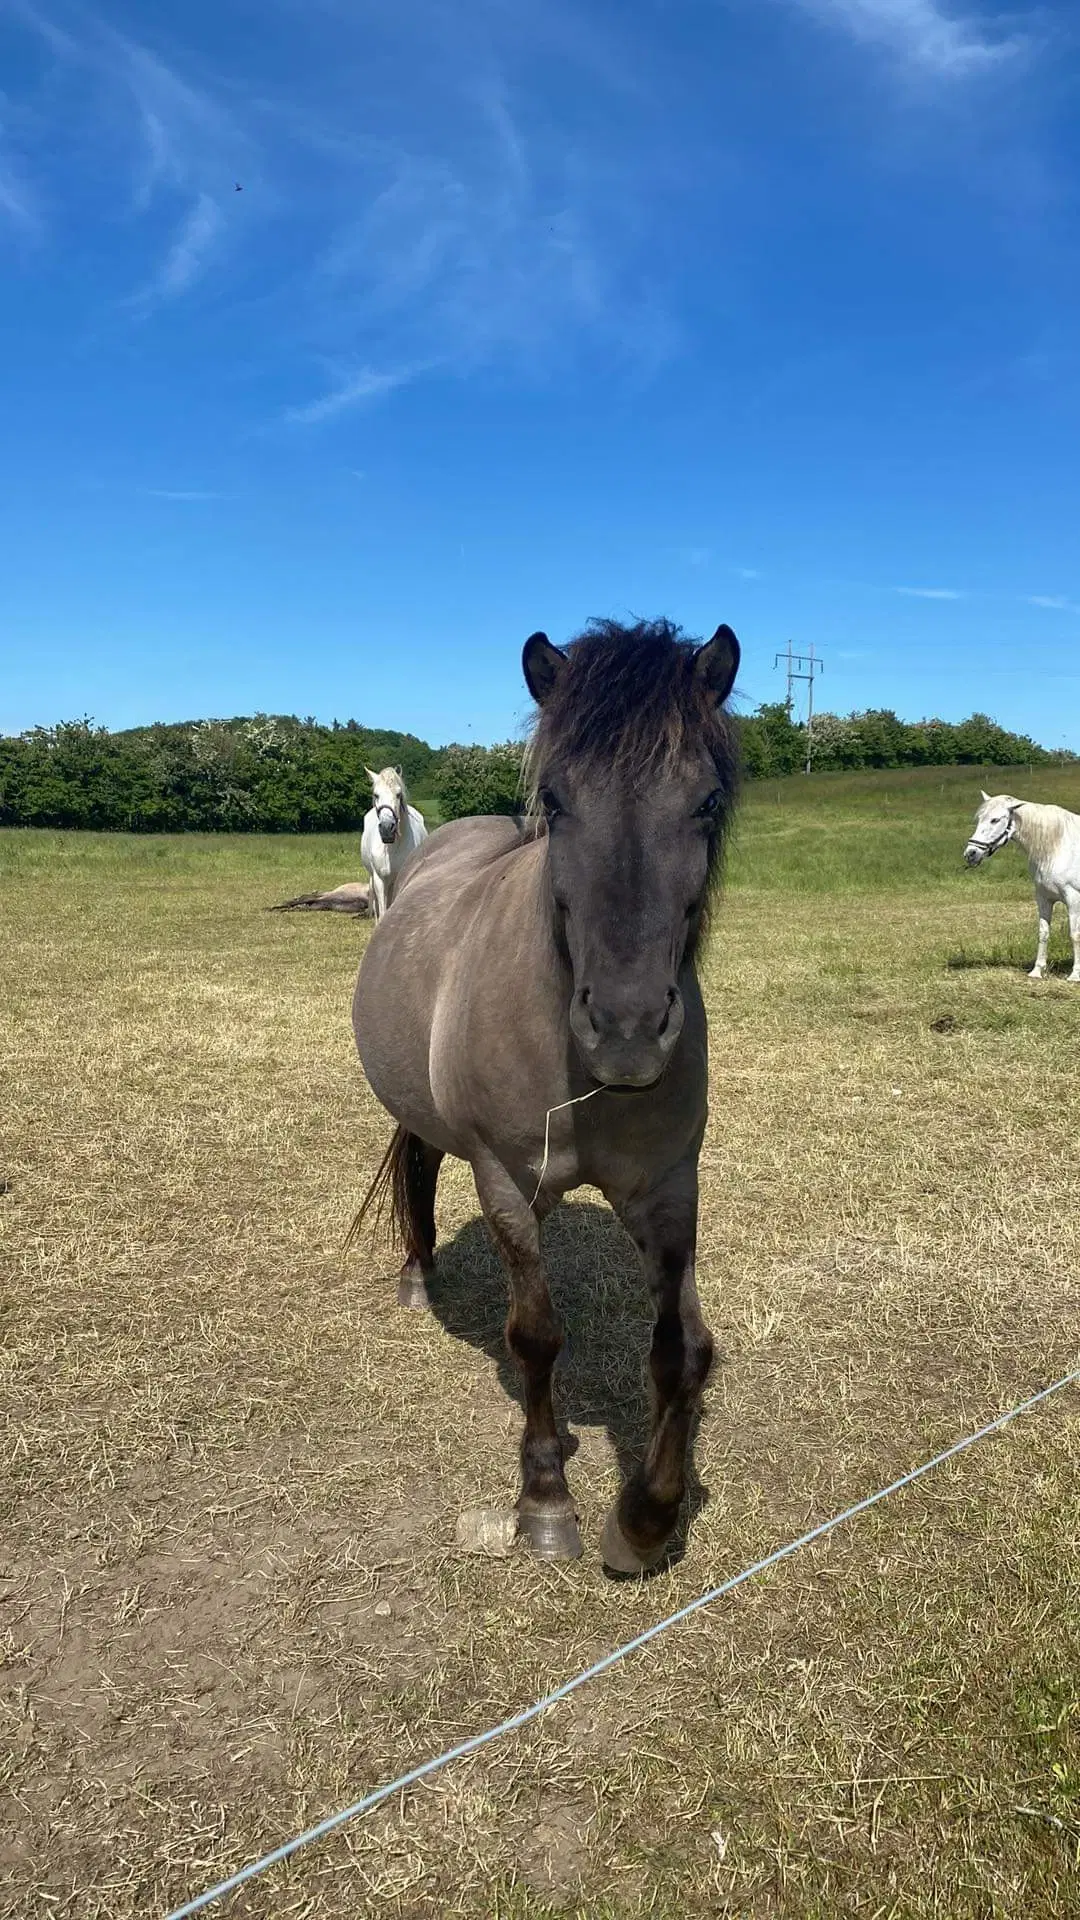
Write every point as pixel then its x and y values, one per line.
pixel 390 777
pixel 630 705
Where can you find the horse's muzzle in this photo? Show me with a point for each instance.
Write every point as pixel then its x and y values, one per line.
pixel 388 832
pixel 974 856
pixel 626 1047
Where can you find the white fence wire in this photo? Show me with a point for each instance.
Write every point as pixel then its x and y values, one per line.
pixel 533 1712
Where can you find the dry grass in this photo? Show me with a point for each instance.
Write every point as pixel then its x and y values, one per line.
pixel 229 1596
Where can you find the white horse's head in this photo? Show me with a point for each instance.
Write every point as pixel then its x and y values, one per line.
pixel 995 825
pixel 390 802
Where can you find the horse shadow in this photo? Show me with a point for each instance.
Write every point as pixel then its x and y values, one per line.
pixel 600 1295
pixel 969 960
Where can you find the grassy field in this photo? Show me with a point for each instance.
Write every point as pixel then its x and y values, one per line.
pixel 230 1600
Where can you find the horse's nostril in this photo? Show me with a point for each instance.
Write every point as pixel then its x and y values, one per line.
pixel 671 1022
pixel 585 1003
pixel 625 1022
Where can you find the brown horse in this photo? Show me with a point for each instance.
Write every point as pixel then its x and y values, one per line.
pixel 529 964
pixel 353 896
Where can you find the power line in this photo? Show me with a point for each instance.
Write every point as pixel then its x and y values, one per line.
pixel 802 666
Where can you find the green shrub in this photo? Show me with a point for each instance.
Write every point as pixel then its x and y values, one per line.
pixel 479 780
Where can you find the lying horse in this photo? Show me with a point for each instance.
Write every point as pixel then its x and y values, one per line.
pixel 392 831
pixel 551 1031
pixel 353 896
pixel 1050 836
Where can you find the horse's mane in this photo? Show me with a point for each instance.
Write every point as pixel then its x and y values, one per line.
pixel 629 703
pixel 394 777
pixel 1040 828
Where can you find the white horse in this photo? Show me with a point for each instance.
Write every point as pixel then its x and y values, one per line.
pixel 1050 836
pixel 392 830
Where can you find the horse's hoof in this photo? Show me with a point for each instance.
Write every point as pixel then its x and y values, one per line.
pixel 551 1536
pixel 619 1556
pixel 412 1292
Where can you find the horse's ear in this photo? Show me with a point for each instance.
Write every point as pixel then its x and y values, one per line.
pixel 984 793
pixel 717 663
pixel 371 776
pixel 542 664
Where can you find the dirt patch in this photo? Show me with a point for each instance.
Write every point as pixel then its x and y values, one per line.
pixel 230 1599
pixel 555 1855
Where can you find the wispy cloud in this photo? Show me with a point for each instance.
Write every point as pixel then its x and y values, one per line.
pixel 17 204
pixel 704 557
pixel 30 15
pixel 350 391
pixel 182 493
pixel 189 149
pixel 931 593
pixel 189 254
pixel 188 140
pixel 431 219
pixel 1052 602
pixel 179 144
pixel 465 263
pixel 938 40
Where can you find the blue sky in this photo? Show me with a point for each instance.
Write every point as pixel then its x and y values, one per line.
pixel 529 310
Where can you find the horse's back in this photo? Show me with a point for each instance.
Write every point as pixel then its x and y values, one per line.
pixel 413 952
pixel 450 856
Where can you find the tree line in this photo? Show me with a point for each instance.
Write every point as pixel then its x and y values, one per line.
pixel 773 743
pixel 279 774
pixel 269 774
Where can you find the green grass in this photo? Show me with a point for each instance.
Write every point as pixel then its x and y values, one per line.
pixel 147 859
pixel 230 1599
pixel 831 833
pixel 847 833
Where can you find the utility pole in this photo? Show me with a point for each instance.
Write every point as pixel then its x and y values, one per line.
pixel 802 666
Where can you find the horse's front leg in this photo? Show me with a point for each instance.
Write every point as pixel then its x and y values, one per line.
pixel 1073 903
pixel 1045 907
pixel 664 1226
pixel 534 1337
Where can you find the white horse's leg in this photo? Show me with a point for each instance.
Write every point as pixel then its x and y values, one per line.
pixel 390 876
pixel 1045 905
pixel 378 894
pixel 1073 902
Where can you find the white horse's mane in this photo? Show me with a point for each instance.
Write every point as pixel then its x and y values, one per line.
pixel 1042 828
pixel 391 777
pixel 1039 828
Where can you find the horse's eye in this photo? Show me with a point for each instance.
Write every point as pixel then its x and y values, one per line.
pixel 548 804
pixel 710 806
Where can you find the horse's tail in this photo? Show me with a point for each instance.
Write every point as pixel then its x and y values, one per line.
pixel 395 1188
